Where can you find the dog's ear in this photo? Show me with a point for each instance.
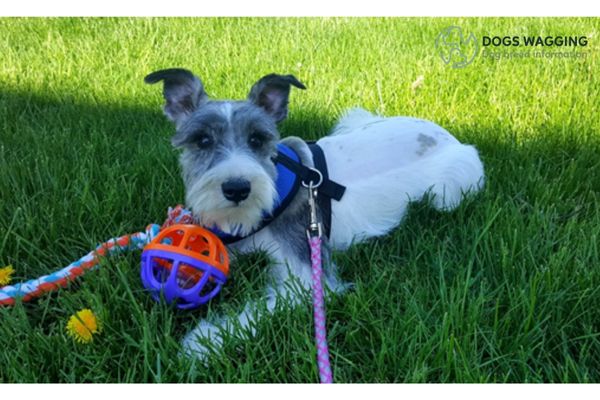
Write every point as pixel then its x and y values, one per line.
pixel 272 92
pixel 183 92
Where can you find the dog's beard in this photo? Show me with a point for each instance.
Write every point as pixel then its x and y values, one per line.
pixel 212 209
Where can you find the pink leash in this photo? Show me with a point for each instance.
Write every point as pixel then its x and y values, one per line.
pixel 314 233
pixel 319 311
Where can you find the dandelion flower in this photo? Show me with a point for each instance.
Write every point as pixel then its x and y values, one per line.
pixel 6 275
pixel 83 325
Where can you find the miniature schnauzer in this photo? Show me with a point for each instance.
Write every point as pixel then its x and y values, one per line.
pixel 228 152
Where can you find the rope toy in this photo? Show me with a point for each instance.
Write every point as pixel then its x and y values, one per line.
pixel 35 288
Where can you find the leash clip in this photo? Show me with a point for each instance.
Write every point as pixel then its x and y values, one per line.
pixel 315 228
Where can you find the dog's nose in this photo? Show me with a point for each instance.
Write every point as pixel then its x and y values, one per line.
pixel 236 190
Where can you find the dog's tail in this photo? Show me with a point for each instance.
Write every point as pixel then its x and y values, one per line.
pixel 353 118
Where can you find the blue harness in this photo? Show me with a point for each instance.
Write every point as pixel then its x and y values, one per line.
pixel 290 174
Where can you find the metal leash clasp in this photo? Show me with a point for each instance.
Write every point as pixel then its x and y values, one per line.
pixel 315 228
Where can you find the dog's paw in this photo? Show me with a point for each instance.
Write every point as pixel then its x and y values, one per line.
pixel 201 342
pixel 192 348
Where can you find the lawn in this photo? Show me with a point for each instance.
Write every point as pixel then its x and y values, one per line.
pixel 504 289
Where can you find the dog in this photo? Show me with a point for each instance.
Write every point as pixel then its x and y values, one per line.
pixel 227 158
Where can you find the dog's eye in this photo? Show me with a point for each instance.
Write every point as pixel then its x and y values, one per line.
pixel 256 140
pixel 204 141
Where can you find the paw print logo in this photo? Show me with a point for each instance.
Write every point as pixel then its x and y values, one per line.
pixel 454 48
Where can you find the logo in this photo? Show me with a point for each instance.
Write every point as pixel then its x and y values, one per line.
pixel 454 49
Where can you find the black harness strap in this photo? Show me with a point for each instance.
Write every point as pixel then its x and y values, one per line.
pixel 328 189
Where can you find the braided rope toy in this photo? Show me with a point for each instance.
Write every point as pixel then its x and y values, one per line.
pixel 35 288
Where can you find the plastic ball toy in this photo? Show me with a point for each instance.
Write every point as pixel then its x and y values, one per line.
pixel 186 264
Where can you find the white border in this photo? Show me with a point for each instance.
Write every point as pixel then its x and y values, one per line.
pixel 302 8
pixel 452 8
pixel 304 392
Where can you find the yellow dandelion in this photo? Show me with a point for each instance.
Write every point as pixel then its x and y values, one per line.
pixel 6 275
pixel 83 325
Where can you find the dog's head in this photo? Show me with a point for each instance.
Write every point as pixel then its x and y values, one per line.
pixel 227 146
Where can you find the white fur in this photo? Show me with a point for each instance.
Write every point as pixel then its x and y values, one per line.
pixel 226 110
pixel 385 163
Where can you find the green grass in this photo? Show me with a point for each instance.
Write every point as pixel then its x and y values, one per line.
pixel 504 289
